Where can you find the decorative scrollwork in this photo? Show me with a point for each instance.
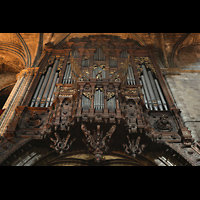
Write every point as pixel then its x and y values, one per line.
pixel 34 120
pixel 163 124
pixel 61 145
pixel 96 142
pixel 134 148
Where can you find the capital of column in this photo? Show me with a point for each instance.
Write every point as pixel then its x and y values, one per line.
pixel 27 71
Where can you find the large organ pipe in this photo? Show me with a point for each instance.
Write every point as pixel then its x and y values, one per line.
pixel 51 90
pixel 152 95
pixel 43 87
pixel 145 100
pixel 83 102
pixel 37 91
pixel 54 90
pixel 111 104
pixel 95 99
pixel 49 83
pixel 128 77
pixel 68 74
pixel 146 92
pixel 99 99
pixel 161 94
pixel 155 90
pixel 88 102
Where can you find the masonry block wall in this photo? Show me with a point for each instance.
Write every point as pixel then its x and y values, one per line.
pixel 185 89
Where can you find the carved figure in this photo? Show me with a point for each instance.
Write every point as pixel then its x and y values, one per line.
pixel 99 76
pixel 34 121
pixel 96 142
pixel 61 145
pixel 163 124
pixel 134 147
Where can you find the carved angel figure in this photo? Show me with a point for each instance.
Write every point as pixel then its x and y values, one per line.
pixel 134 147
pixel 96 142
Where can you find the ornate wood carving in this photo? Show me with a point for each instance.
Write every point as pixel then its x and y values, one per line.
pixel 126 118
pixel 97 143
pixel 134 147
pixel 61 145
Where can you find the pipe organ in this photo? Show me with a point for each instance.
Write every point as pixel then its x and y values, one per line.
pixel 102 68
pixel 106 82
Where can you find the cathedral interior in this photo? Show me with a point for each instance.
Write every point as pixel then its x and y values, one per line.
pixel 99 99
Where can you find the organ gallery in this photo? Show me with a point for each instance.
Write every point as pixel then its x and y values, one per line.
pixel 95 100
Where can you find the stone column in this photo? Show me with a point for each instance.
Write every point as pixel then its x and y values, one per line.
pixel 16 97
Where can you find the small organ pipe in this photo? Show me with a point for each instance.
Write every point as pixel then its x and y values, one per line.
pixel 37 91
pixel 43 87
pixel 161 95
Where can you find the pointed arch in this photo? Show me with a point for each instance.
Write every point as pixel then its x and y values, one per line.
pixel 26 50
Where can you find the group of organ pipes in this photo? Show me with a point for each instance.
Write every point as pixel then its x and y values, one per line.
pixel 44 93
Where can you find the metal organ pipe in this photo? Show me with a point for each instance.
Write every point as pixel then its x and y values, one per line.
pixel 49 84
pixel 54 90
pixel 51 90
pixel 43 87
pixel 37 91
pixel 161 94
pixel 67 75
pixel 155 90
pixel 132 75
pixel 152 95
pixel 98 100
pixel 145 100
pixel 146 92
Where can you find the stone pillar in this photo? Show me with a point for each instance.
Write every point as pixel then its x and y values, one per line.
pixel 16 97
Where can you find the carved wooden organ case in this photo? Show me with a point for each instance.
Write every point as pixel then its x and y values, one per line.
pixel 105 92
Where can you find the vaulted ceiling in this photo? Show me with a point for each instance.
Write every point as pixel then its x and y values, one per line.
pixel 22 50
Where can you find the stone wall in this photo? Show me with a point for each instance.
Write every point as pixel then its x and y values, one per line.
pixel 185 89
